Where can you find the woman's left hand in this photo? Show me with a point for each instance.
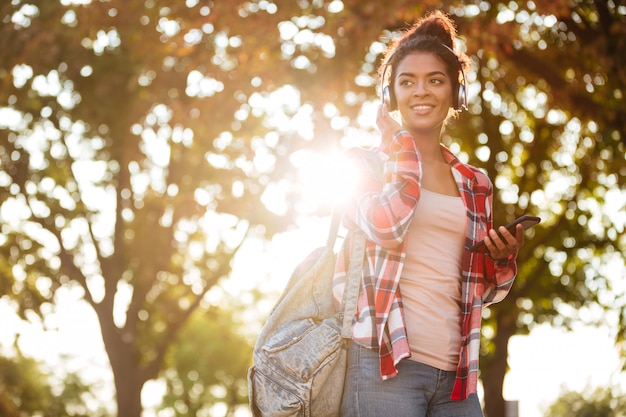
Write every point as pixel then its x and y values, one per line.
pixel 387 125
pixel 502 246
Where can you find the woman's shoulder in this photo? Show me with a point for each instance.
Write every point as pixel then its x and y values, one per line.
pixel 367 156
pixel 368 161
pixel 479 174
pixel 482 183
pixel 365 153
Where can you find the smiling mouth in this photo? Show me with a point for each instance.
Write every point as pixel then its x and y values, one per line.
pixel 422 107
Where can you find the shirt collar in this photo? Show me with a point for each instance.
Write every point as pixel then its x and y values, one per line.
pixel 454 162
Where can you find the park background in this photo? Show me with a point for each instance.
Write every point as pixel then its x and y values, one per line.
pixel 166 163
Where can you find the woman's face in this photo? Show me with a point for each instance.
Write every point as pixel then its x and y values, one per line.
pixel 423 91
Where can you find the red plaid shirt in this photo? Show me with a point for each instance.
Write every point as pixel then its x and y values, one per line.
pixel 382 206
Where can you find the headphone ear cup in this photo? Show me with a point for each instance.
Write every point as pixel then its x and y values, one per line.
pixel 393 103
pixel 461 99
pixel 390 98
pixel 385 95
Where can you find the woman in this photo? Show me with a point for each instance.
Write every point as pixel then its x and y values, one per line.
pixel 415 343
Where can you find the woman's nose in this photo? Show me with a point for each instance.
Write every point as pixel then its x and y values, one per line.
pixel 420 89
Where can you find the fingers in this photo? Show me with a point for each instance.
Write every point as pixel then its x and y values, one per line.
pixel 383 114
pixel 386 123
pixel 504 244
pixel 380 114
pixel 519 236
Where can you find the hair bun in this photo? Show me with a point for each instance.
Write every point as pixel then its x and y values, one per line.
pixel 436 24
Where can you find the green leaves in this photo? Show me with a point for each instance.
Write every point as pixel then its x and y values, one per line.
pixel 141 142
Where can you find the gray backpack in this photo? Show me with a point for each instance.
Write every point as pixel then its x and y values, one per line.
pixel 301 353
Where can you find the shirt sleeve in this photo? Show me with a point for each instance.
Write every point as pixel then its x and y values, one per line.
pixel 503 276
pixel 499 275
pixel 383 205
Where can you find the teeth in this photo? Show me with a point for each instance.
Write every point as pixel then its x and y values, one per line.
pixel 422 107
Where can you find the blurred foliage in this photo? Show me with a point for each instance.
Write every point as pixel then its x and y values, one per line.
pixel 602 402
pixel 552 80
pixel 206 370
pixel 27 390
pixel 142 142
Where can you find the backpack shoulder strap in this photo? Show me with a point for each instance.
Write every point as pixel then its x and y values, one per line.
pixel 334 228
pixel 353 282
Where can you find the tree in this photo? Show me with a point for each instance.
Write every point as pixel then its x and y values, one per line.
pixel 602 402
pixel 139 148
pixel 132 165
pixel 208 367
pixel 553 95
pixel 27 389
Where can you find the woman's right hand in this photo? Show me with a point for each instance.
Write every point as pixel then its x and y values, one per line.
pixel 387 125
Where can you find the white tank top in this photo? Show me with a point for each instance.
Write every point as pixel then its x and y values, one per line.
pixel 431 280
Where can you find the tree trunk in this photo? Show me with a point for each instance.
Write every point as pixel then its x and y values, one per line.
pixel 494 367
pixel 128 395
pixel 128 381
pixel 7 407
pixel 128 374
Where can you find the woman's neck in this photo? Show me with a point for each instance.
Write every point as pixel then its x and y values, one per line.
pixel 428 144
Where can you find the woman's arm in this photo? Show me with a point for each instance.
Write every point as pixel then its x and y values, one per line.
pixel 383 203
pixel 500 262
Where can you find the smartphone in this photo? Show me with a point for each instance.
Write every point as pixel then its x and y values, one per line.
pixel 526 221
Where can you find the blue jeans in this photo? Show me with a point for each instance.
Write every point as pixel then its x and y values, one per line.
pixel 417 391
